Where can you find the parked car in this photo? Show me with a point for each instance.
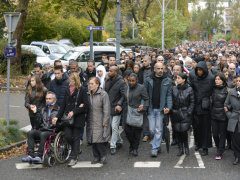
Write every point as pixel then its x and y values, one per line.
pixel 42 58
pixel 54 51
pixel 82 54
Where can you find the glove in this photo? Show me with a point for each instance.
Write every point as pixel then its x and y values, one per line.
pixel 105 132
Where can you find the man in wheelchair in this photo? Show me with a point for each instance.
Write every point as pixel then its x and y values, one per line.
pixel 43 129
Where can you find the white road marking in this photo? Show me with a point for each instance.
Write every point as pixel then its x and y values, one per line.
pixel 87 164
pixel 147 164
pixel 26 128
pixel 28 166
pixel 12 106
pixel 191 143
pixel 179 163
pixel 199 160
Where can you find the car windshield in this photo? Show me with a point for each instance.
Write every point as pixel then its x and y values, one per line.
pixel 70 55
pixel 57 49
pixel 34 49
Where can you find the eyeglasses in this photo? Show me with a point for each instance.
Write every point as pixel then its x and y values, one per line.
pixel 48 98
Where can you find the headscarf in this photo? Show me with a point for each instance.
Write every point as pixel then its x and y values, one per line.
pixel 102 79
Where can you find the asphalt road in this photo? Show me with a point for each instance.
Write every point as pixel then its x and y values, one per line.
pixel 17 110
pixel 121 167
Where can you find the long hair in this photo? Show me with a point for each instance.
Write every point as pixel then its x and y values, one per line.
pixel 39 88
pixel 75 77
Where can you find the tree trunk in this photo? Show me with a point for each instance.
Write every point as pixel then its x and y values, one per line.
pixel 22 7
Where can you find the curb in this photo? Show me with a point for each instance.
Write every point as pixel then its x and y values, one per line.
pixel 9 147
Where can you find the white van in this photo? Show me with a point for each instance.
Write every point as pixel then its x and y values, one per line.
pixel 82 54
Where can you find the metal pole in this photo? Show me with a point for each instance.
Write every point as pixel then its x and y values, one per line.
pixel 163 12
pixel 91 43
pixel 118 31
pixel 133 29
pixel 8 73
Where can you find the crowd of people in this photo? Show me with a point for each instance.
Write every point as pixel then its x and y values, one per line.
pixel 194 86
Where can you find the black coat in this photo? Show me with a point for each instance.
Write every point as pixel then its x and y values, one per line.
pixel 68 105
pixel 202 87
pixel 116 92
pixel 183 105
pixel 218 98
pixel 60 87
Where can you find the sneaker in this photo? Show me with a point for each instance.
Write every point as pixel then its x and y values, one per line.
pixel 145 139
pixel 103 160
pixel 37 160
pixel 72 162
pixel 27 159
pixel 218 157
pixel 154 153
pixel 113 151
pixel 95 161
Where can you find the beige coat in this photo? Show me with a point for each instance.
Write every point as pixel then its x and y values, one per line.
pixel 98 117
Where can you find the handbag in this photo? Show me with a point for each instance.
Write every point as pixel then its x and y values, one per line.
pixel 69 121
pixel 134 118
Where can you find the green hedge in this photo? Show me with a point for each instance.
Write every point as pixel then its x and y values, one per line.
pixel 10 134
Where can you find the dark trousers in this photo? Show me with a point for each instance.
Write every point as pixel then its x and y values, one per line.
pixel 72 135
pixel 182 137
pixel 34 135
pixel 236 143
pixel 219 131
pixel 202 131
pixel 81 132
pixel 145 125
pixel 133 135
pixel 99 150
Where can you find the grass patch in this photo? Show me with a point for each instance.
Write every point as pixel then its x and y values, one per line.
pixel 10 134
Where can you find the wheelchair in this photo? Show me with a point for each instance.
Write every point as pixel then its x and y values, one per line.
pixel 56 149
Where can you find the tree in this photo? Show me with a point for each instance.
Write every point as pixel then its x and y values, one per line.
pixel 21 7
pixel 235 21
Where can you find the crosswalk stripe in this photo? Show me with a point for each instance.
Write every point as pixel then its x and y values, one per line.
pixel 147 164
pixel 28 166
pixel 87 164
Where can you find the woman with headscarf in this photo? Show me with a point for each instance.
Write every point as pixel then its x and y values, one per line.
pixel 101 74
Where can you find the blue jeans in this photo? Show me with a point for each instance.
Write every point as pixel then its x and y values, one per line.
pixel 155 118
pixel 116 137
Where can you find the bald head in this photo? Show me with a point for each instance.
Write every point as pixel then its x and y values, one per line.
pixel 232 69
pixel 113 71
pixel 159 69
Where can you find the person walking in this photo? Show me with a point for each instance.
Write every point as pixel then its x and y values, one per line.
pixel 98 125
pixel 75 107
pixel 183 105
pixel 232 109
pixel 218 116
pixel 159 89
pixel 138 102
pixel 35 96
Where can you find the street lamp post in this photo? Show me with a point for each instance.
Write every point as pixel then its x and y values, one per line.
pixel 118 31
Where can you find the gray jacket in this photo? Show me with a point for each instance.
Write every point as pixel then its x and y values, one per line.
pixel 233 104
pixel 98 117
pixel 165 94
pixel 137 96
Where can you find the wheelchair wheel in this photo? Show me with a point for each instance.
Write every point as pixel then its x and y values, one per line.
pixel 49 160
pixel 61 148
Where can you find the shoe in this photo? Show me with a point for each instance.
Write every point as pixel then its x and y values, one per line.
pixel 204 152
pixel 113 151
pixel 197 148
pixel 218 157
pixel 236 161
pixel 95 161
pixel 180 149
pixel 135 152
pixel 119 145
pixel 145 139
pixel 186 148
pixel 130 151
pixel 27 159
pixel 103 160
pixel 154 153
pixel 174 142
pixel 72 162
pixel 37 160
